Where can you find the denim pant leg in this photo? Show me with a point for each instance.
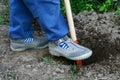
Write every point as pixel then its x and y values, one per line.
pixel 20 20
pixel 48 15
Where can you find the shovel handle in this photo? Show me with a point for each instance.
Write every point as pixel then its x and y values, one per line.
pixel 71 25
pixel 70 20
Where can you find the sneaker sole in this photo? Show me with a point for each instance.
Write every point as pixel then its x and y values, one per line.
pixel 83 57
pixel 23 49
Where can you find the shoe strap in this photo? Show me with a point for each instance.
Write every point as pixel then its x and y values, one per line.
pixel 62 44
pixel 28 40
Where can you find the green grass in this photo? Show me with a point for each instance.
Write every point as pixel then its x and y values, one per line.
pixel 49 60
pixel 4 14
pixel 100 6
pixel 34 78
pixel 8 75
pixel 118 11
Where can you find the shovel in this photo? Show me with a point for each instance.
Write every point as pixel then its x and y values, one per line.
pixel 71 26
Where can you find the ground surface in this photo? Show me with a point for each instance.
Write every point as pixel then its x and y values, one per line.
pixel 99 32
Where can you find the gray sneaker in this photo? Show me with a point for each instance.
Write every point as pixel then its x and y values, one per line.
pixel 67 48
pixel 28 43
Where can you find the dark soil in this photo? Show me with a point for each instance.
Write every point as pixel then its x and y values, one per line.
pixel 99 32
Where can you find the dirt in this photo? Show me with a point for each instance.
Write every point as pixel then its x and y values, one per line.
pixel 99 32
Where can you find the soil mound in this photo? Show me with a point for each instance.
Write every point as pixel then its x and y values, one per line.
pixel 99 32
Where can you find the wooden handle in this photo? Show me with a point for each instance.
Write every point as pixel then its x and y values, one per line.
pixel 71 25
pixel 70 20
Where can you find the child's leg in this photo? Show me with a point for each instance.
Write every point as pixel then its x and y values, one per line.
pixel 48 14
pixel 20 20
pixel 21 28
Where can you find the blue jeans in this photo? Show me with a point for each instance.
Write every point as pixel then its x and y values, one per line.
pixel 46 12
